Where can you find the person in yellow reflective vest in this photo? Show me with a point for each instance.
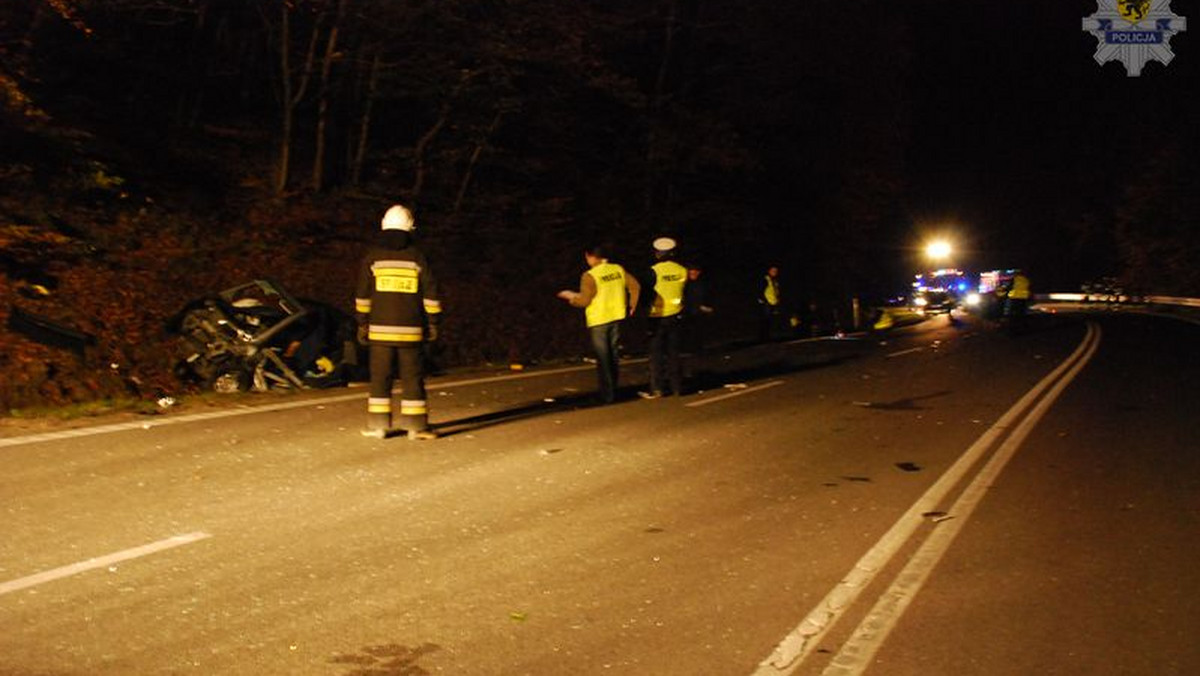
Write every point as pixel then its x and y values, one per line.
pixel 1017 302
pixel 608 295
pixel 397 306
pixel 666 321
pixel 770 300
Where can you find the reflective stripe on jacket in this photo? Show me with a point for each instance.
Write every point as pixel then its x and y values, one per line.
pixel 396 295
pixel 669 280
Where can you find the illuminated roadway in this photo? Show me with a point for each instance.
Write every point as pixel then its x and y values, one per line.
pixel 948 500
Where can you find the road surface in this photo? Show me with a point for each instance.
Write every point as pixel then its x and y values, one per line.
pixel 948 499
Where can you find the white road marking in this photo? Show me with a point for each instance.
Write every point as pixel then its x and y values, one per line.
pixel 172 420
pixel 735 393
pixel 857 652
pixel 268 408
pixel 903 352
pixel 801 642
pixel 100 562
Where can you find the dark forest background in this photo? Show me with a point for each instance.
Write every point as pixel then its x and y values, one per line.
pixel 155 150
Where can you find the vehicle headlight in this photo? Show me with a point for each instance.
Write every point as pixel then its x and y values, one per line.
pixel 972 299
pixel 920 302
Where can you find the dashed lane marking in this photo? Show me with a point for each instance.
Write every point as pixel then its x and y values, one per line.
pixel 100 562
pixel 735 393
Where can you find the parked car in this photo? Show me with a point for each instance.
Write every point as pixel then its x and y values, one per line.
pixel 256 336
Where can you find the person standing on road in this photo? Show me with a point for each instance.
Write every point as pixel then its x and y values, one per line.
pixel 696 309
pixel 608 295
pixel 397 307
pixel 769 303
pixel 666 321
pixel 1017 303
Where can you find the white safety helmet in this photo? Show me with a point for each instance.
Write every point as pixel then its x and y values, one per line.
pixel 398 217
pixel 664 244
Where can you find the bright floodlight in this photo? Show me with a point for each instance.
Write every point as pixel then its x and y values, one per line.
pixel 938 250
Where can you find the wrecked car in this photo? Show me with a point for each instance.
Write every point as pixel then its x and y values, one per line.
pixel 256 336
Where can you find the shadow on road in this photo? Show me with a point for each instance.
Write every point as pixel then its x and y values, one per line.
pixel 710 371
pixel 905 404
pixel 520 412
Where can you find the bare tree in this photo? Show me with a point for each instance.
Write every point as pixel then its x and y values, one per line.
pixel 331 55
pixel 291 93
pixel 358 156
pixel 420 150
pixel 474 159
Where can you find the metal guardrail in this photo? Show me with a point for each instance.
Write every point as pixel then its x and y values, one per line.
pixel 1102 298
pixel 1173 300
pixel 1178 307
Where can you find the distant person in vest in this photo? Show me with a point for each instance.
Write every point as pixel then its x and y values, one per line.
pixel 769 303
pixel 666 321
pixel 608 295
pixel 396 303
pixel 1017 302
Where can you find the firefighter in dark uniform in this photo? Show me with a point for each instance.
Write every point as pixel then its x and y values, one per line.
pixel 397 306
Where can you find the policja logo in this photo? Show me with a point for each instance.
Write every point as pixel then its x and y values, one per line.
pixel 1134 32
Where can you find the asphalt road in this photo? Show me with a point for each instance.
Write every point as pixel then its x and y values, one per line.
pixel 950 500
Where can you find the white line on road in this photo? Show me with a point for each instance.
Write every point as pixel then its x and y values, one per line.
pixel 857 652
pixel 100 562
pixel 804 638
pixel 735 393
pixel 268 408
pixel 902 352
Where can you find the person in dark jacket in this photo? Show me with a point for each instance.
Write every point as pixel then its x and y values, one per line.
pixel 697 308
pixel 398 310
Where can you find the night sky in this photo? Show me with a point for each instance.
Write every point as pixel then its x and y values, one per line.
pixel 834 137
pixel 1021 140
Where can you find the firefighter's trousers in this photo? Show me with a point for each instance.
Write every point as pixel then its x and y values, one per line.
pixel 414 409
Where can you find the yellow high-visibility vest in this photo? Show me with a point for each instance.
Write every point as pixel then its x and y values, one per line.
pixel 609 304
pixel 1020 287
pixel 669 280
pixel 771 292
pixel 885 321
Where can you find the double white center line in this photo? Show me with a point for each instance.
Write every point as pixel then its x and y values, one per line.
pixel 1009 432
